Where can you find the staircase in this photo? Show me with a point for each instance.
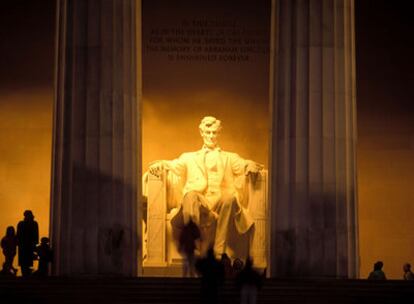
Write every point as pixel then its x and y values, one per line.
pixel 174 290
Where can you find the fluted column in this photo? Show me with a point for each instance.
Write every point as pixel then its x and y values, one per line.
pixel 95 149
pixel 313 140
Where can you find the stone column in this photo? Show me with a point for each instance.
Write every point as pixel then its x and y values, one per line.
pixel 95 147
pixel 313 140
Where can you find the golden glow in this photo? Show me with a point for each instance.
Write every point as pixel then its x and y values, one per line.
pixel 172 109
pixel 25 149
pixel 170 124
pixel 386 200
pixel 385 163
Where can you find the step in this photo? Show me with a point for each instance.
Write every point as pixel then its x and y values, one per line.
pixel 178 290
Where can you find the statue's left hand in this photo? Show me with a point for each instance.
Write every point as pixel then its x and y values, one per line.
pixel 156 168
pixel 253 168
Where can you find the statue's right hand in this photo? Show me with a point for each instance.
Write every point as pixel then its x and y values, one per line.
pixel 156 168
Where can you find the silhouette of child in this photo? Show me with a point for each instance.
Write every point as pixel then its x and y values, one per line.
pixel 408 274
pixel 45 254
pixel 9 247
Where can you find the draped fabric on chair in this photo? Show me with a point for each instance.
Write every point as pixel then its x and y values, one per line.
pixel 163 199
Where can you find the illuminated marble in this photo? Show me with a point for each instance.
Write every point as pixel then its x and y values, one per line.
pixel 214 175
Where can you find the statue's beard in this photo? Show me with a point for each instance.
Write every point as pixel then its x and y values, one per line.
pixel 210 144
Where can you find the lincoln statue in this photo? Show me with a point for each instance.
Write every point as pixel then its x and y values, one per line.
pixel 212 187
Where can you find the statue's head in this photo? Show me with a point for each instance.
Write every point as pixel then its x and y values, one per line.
pixel 209 129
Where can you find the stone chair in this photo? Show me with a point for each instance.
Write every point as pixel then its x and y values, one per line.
pixel 163 195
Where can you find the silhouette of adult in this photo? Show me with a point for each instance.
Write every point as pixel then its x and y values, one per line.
pixel 9 246
pixel 187 245
pixel 45 254
pixel 249 281
pixel 377 273
pixel 212 276
pixel 408 274
pixel 27 239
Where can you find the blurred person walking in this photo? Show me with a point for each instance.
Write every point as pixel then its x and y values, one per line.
pixel 187 245
pixel 228 269
pixel 249 281
pixel 212 277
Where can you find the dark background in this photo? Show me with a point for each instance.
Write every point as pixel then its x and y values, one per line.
pixel 384 48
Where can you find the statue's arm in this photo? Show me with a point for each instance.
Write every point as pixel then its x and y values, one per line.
pixel 177 166
pixel 157 167
pixel 244 166
pixel 252 167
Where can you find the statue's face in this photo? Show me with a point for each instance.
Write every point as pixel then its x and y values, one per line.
pixel 210 135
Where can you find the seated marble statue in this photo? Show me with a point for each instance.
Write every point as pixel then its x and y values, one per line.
pixel 212 182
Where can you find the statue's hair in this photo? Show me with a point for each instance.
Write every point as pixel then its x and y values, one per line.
pixel 209 121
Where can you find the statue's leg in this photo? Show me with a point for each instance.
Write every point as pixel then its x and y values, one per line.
pixel 195 207
pixel 191 205
pixel 225 208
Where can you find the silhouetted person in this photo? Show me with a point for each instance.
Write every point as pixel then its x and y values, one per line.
pixel 45 255
pixel 9 247
pixel 187 245
pixel 377 273
pixel 212 275
pixel 228 269
pixel 249 281
pixel 237 266
pixel 27 239
pixel 408 274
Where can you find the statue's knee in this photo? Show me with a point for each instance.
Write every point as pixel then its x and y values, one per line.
pixel 191 197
